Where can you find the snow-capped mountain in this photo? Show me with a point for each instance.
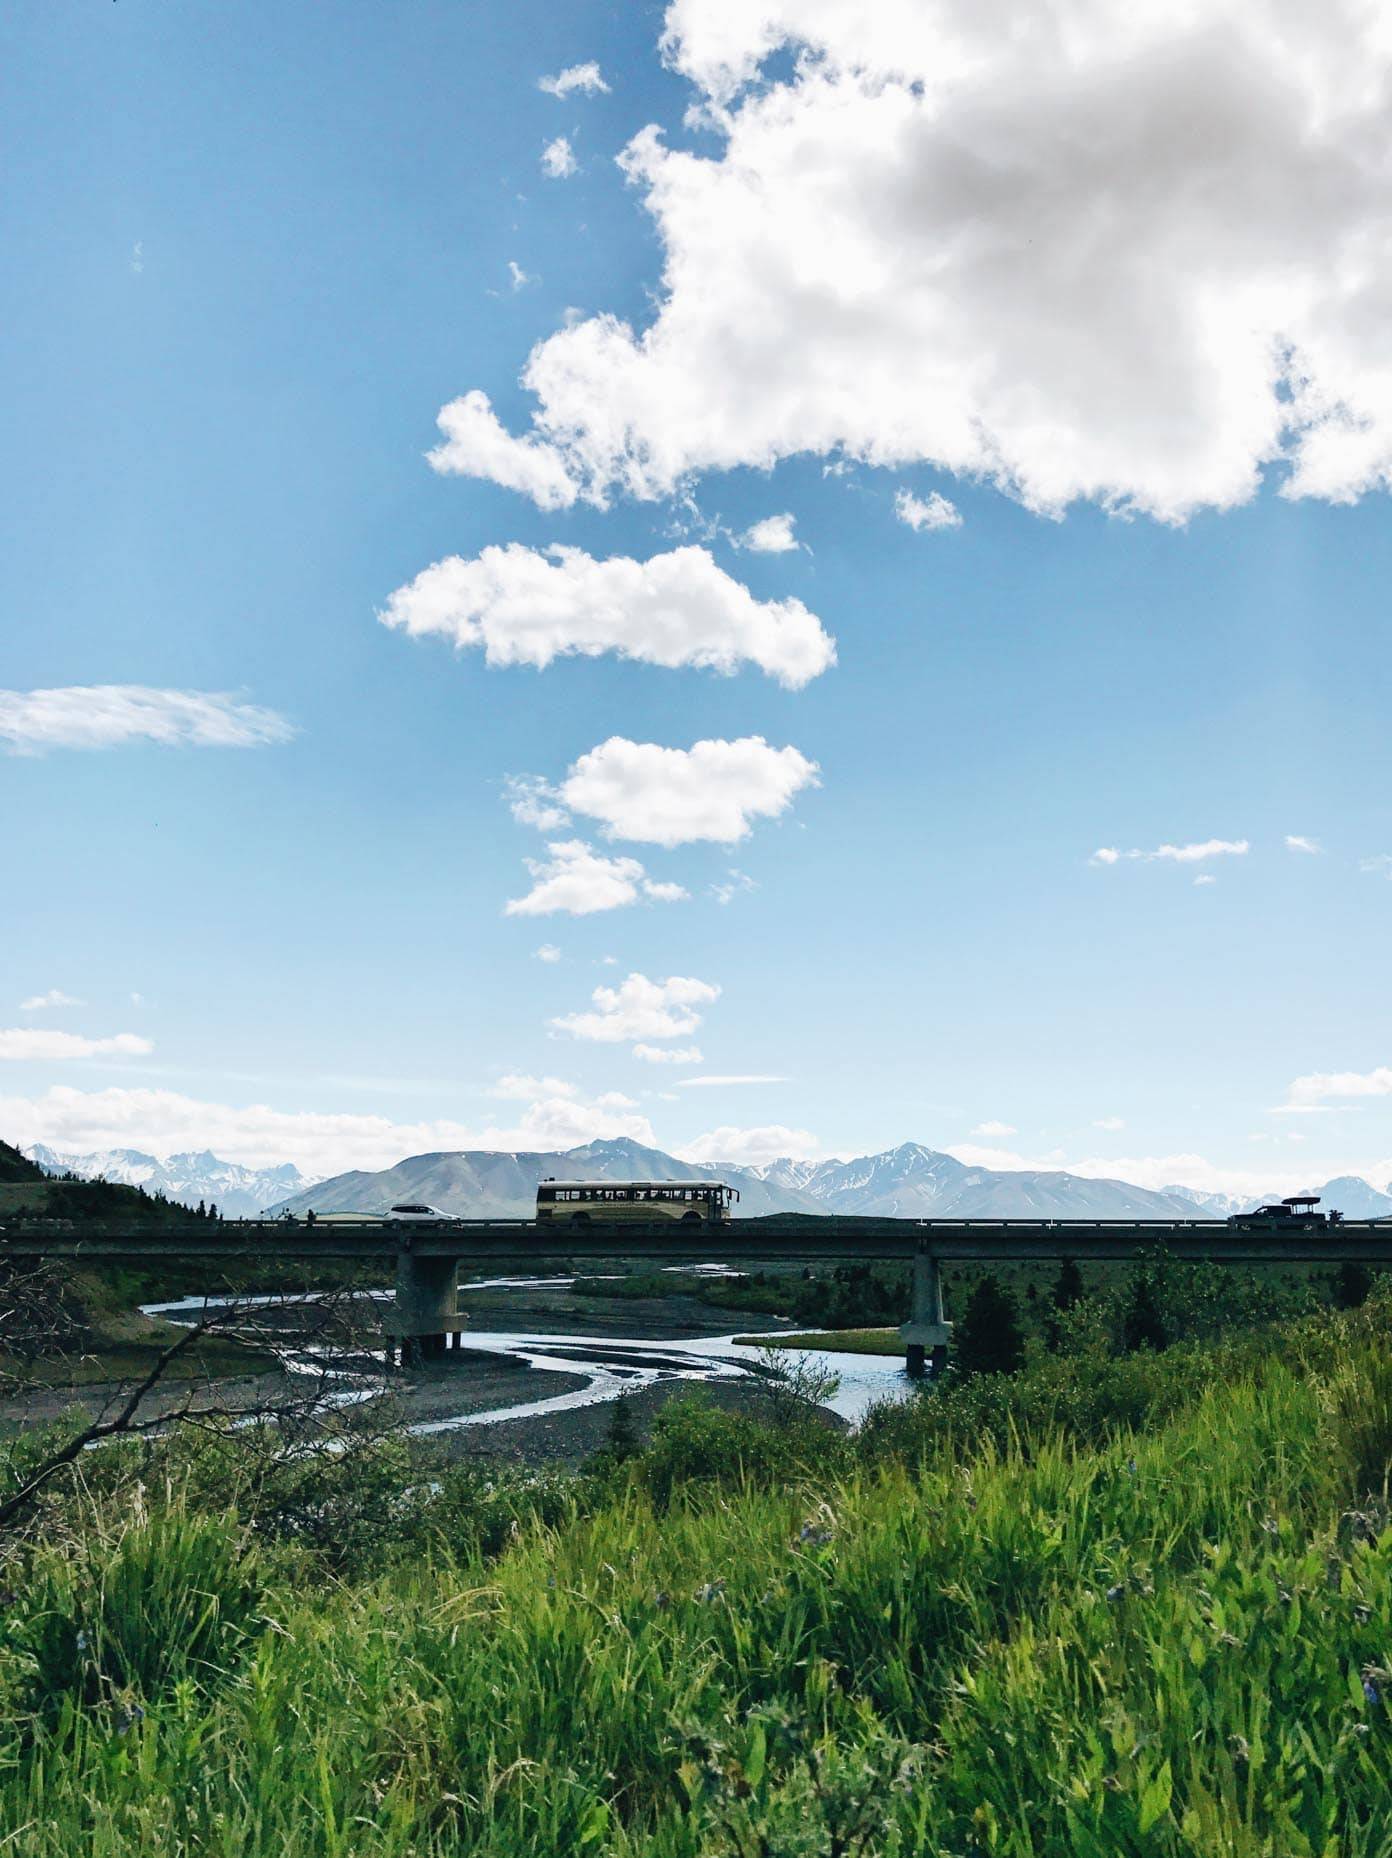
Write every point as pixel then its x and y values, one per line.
pixel 906 1182
pixel 186 1179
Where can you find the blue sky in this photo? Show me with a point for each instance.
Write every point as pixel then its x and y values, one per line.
pixel 253 251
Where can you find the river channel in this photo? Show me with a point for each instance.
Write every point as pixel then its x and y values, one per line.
pixel 606 1366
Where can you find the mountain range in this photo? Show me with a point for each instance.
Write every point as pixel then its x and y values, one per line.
pixel 905 1182
pixel 238 1192
pixel 908 1182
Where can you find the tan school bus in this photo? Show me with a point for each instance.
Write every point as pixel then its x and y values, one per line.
pixel 583 1203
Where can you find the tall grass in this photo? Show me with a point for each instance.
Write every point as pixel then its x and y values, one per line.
pixel 1169 1641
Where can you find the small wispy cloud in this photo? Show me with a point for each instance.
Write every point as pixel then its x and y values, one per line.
pixel 1317 1090
pixel 1295 842
pixel 547 952
pixel 534 802
pixel 657 1054
pixel 1380 865
pixel 931 512
pixel 1193 853
pixel 92 716
pixel 728 888
pixel 558 159
pixel 585 78
pixel 137 257
pixel 54 997
pixel 711 1082
pixel 774 535
pixel 995 1129
pixel 36 1045
pixel 517 277
pixel 1110 1123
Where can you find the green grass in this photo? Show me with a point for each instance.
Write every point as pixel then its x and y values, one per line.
pixel 1043 1635
pixel 843 1341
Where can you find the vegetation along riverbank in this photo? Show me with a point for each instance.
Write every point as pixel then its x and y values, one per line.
pixel 1123 1600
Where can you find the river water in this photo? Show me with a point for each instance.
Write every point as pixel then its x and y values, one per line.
pixel 611 1365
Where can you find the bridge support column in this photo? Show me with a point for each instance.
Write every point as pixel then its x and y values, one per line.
pixel 427 1306
pixel 926 1336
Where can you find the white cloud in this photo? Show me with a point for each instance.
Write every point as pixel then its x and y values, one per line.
pixel 726 889
pixel 721 1083
pixel 521 1086
pixel 674 796
pixel 677 1054
pixel 54 997
pixel 558 159
pixel 935 513
pixel 1295 843
pixel 1174 854
pixel 533 803
pixel 547 952
pixel 113 715
pixel 163 1122
pixel 995 1129
pixel 585 78
pixel 581 881
pixel 1378 866
pixel 517 277
pixel 1318 1087
pixel 137 999
pixel 35 1045
pixel 1131 254
pixel 641 1009
pixel 477 444
pixel 1203 879
pixel 750 1147
pixel 772 536
pixel 530 606
pixel 1110 1123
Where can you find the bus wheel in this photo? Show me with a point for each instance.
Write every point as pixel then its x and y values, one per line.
pixel 691 1219
pixel 580 1219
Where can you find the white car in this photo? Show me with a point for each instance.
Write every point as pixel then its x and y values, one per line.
pixel 418 1213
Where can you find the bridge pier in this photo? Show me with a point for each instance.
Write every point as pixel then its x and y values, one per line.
pixel 926 1336
pixel 426 1313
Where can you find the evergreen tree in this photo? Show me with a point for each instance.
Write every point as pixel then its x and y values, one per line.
pixel 1068 1285
pixel 1352 1282
pixel 988 1338
pixel 1143 1326
pixel 623 1441
pixel 213 1212
pixel 202 1212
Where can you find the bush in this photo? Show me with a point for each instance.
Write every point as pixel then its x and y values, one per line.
pixel 694 1442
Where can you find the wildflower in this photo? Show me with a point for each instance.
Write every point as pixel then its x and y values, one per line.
pixel 713 1590
pixel 662 1599
pixel 813 1535
pixel 1241 1748
pixel 82 1641
pixel 1271 1526
pixel 1371 1692
pixel 1130 1467
pixel 131 1714
pixel 1114 1593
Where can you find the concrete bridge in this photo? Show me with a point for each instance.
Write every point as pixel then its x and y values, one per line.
pixel 427 1257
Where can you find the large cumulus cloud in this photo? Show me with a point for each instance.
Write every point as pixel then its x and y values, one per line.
pixel 1137 255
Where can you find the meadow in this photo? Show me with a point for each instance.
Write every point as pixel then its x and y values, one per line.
pixel 1135 1603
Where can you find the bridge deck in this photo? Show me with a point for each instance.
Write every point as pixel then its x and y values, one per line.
pixel 804 1239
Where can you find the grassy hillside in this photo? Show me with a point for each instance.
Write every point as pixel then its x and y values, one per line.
pixel 1109 1607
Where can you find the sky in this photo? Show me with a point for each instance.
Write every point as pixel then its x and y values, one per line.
pixel 764 579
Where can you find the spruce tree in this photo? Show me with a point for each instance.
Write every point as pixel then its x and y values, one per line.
pixel 988 1338
pixel 1068 1285
pixel 1352 1282
pixel 1143 1326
